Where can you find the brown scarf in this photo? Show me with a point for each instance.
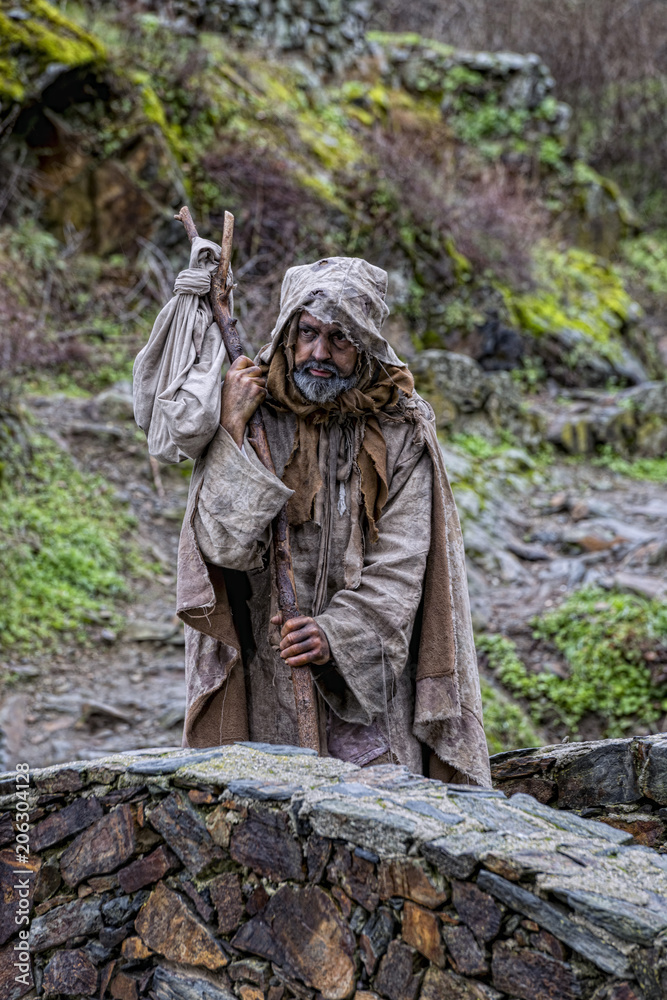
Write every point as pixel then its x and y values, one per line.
pixel 378 388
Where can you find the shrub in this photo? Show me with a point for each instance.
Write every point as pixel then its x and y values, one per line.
pixel 615 647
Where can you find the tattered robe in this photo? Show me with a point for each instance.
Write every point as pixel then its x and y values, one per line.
pixel 402 684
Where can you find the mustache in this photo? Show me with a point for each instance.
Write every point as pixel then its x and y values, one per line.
pixel 323 366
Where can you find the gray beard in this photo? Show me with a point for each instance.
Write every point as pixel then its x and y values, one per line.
pixel 318 389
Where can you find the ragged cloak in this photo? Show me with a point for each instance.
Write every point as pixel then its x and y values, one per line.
pixel 447 703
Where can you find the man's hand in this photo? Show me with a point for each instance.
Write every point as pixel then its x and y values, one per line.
pixel 243 389
pixel 303 642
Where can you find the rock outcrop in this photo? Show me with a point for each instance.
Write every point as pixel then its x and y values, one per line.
pixel 632 421
pixel 259 871
pixel 466 397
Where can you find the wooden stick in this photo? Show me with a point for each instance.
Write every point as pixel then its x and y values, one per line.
pixel 157 478
pixel 302 679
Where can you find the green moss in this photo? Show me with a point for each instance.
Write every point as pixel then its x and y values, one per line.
pixel 62 549
pixel 154 112
pixel 369 102
pixel 409 40
pixel 576 292
pixel 29 45
pixel 604 638
pixel 462 266
pixel 506 725
pixel 265 105
pixel 645 261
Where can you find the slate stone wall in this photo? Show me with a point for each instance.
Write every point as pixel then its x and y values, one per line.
pixel 422 66
pixel 266 873
pixel 621 782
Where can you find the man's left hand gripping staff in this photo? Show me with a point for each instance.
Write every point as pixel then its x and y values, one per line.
pixel 303 642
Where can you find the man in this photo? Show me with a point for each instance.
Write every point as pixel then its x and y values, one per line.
pixel 376 547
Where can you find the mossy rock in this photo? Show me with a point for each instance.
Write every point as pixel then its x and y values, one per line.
pixel 597 216
pixel 578 312
pixel 37 42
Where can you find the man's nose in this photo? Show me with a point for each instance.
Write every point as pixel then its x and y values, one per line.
pixel 321 349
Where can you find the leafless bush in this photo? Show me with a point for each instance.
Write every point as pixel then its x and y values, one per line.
pixel 25 345
pixel 278 224
pixel 609 59
pixel 493 217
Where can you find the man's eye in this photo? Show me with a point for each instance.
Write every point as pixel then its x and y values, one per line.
pixel 307 334
pixel 339 339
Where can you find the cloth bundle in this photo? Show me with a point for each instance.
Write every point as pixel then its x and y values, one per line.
pixel 177 375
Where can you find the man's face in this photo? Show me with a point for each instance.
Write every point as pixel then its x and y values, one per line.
pixel 324 360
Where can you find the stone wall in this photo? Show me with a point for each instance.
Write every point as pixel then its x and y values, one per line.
pixel 265 873
pixel 622 782
pixel 330 34
pixel 423 66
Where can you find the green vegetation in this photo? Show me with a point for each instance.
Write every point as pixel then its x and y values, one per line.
pixel 490 461
pixel 506 725
pixel 28 45
pixel 645 260
pixel 577 295
pixel 480 448
pixel 490 127
pixel 603 637
pixel 531 375
pixel 62 549
pixel 652 469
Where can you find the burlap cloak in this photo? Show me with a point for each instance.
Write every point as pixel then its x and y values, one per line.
pixel 447 703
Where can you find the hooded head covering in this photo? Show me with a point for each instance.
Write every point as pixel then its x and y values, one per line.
pixel 344 290
pixel 350 292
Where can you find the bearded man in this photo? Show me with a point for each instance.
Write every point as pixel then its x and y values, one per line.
pixel 376 546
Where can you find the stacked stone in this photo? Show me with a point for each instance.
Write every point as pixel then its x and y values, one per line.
pixel 330 34
pixel 620 782
pixel 421 66
pixel 256 872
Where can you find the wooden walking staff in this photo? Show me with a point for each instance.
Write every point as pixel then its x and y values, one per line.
pixel 304 696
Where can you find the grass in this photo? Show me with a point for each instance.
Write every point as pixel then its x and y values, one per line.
pixel 63 550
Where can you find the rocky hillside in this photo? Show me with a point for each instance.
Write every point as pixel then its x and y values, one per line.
pixel 525 295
